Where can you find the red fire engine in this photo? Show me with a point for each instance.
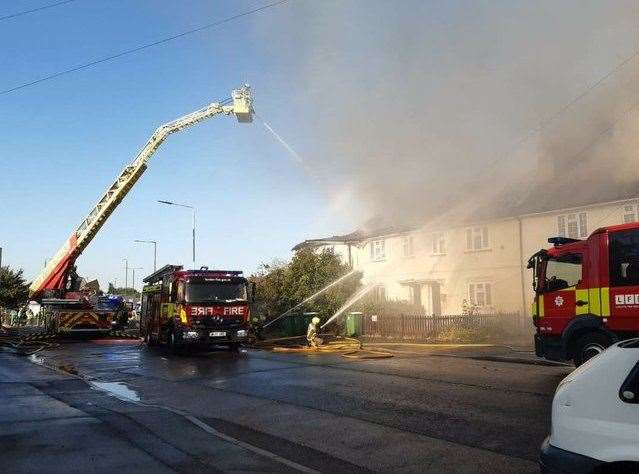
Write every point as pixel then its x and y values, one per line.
pixel 203 307
pixel 586 293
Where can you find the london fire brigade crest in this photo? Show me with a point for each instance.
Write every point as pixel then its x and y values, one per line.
pixel 559 301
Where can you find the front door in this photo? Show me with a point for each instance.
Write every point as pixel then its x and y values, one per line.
pixel 436 296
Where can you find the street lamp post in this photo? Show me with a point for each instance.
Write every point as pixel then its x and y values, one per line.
pixel 193 218
pixel 155 251
pixel 133 270
pixel 126 272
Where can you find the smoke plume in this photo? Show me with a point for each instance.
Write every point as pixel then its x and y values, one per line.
pixel 418 107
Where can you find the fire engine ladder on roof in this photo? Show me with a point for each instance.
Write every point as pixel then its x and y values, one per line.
pixel 242 108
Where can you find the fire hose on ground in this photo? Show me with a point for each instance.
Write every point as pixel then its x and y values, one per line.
pixel 347 347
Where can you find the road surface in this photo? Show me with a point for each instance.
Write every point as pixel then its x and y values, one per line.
pixel 444 409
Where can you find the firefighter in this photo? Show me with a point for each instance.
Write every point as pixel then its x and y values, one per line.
pixel 311 333
pixel 257 325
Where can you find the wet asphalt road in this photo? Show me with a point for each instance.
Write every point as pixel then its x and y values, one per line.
pixel 424 410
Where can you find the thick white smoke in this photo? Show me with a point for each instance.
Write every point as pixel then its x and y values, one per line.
pixel 409 103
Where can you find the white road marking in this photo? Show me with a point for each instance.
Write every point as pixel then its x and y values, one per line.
pixel 250 447
pixel 125 396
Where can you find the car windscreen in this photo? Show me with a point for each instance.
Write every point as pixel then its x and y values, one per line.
pixel 215 291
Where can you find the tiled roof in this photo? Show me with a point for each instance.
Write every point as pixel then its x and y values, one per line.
pixel 517 200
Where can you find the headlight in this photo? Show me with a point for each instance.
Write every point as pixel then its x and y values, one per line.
pixel 241 333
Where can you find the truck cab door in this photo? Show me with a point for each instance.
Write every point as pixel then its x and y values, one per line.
pixel 563 292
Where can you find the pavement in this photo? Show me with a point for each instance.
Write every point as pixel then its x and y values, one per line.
pixel 117 404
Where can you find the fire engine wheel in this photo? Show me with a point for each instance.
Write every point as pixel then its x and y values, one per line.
pixel 589 346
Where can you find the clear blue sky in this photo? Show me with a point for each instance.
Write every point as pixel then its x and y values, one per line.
pixel 386 105
pixel 65 140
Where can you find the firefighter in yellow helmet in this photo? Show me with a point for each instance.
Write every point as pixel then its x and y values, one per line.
pixel 311 333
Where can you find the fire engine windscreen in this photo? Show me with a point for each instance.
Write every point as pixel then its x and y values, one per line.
pixel 207 291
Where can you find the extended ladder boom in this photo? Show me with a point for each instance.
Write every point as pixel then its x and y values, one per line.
pixel 54 275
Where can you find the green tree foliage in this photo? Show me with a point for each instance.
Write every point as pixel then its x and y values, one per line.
pixel 14 291
pixel 281 286
pixel 127 293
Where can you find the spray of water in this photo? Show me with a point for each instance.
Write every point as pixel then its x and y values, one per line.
pixel 350 302
pixel 313 296
pixel 296 157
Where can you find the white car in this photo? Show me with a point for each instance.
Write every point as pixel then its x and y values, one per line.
pixel 595 416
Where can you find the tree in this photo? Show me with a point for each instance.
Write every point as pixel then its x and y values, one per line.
pixel 128 293
pixel 14 291
pixel 281 286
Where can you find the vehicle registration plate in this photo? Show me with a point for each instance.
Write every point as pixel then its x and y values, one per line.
pixel 217 334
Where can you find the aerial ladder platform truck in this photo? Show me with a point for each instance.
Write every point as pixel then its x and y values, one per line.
pixel 56 287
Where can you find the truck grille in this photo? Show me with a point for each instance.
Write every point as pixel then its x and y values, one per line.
pixel 216 322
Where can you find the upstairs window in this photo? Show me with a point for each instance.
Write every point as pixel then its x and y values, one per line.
pixel 439 244
pixel 407 246
pixel 630 213
pixel 477 238
pixel 574 226
pixel 378 250
pixel 479 294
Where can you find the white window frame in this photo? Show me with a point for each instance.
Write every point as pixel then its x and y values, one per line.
pixel 439 243
pixel 630 213
pixel 573 225
pixel 483 288
pixel 477 239
pixel 378 250
pixel 408 249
